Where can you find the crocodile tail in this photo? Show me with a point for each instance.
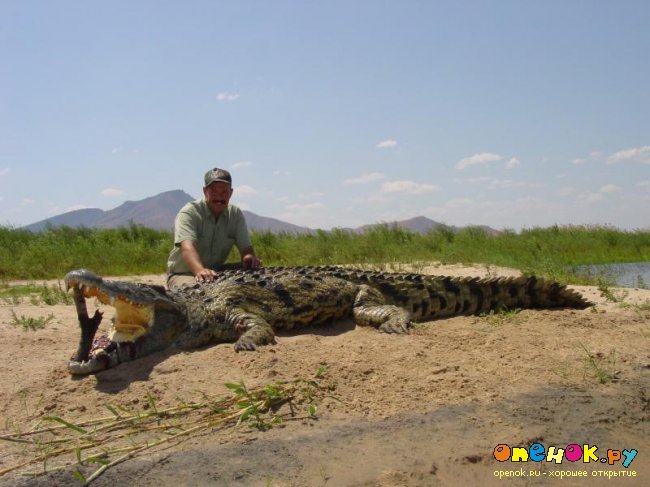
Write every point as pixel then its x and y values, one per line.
pixel 541 293
pixel 468 296
pixel 429 297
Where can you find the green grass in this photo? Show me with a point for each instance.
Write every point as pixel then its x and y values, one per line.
pixel 30 323
pixel 35 294
pixel 502 317
pixel 600 366
pixel 51 254
pixel 551 252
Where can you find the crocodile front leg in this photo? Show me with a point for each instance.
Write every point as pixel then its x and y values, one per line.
pixel 253 329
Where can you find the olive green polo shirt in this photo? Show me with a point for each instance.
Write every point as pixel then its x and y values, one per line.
pixel 215 237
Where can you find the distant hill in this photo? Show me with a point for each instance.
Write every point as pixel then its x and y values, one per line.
pixel 422 224
pixel 159 212
pixel 266 224
pixel 154 212
pixel 419 224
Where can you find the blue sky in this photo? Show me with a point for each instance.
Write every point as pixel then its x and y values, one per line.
pixel 512 114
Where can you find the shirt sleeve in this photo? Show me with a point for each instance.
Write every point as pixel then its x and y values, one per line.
pixel 186 226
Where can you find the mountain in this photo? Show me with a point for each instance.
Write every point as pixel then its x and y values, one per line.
pixel 266 224
pixel 154 212
pixel 159 212
pixel 78 218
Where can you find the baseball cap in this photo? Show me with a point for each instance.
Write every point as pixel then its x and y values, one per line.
pixel 217 174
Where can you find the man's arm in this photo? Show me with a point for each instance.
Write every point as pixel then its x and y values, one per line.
pixel 194 262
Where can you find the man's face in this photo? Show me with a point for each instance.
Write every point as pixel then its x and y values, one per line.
pixel 217 195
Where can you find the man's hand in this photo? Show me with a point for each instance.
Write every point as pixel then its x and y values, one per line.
pixel 205 275
pixel 250 261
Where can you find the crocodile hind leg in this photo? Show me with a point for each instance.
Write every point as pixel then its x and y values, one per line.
pixel 254 330
pixel 369 309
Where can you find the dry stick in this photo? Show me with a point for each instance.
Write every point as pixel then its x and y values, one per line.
pixel 42 458
pixel 88 326
pixel 92 422
pixel 207 423
pixel 57 452
pixel 131 454
pixel 95 443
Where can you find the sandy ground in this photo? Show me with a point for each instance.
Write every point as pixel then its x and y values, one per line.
pixel 418 410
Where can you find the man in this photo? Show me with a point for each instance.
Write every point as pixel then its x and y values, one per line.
pixel 205 231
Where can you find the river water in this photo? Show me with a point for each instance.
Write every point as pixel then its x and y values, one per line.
pixel 633 274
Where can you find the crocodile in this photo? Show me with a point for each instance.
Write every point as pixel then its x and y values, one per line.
pixel 246 307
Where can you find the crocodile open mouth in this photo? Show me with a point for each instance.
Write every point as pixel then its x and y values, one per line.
pixel 131 320
pixel 137 307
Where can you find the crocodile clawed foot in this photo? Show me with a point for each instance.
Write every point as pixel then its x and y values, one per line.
pixel 397 327
pixel 245 344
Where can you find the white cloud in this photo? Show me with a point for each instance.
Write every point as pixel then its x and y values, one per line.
pixel 566 191
pixel 111 192
pixel 512 163
pixel 385 144
pixel 506 184
pixel 457 203
pixel 409 187
pixel 227 96
pixel 365 178
pixel 240 164
pixel 482 158
pixel 591 197
pixel 116 150
pixel 635 154
pixel 643 184
pixel 479 179
pixel 592 156
pixel 4 171
pixel 493 183
pixel 305 207
pixel 314 194
pixel 245 190
pixel 600 194
pixel 609 188
pixel 28 201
